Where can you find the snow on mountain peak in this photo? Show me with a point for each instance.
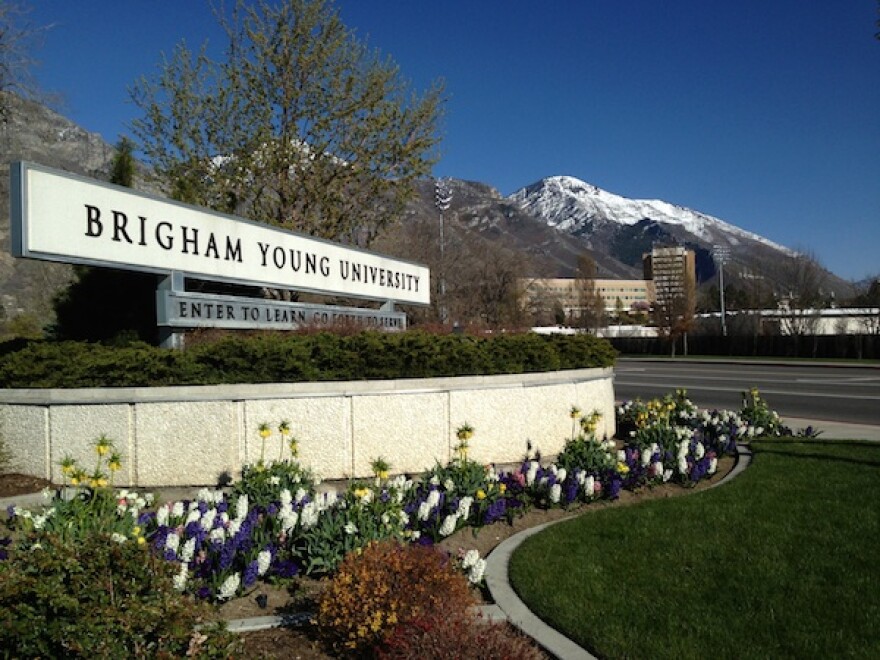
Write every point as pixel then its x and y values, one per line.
pixel 570 205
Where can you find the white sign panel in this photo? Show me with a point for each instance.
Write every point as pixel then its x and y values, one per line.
pixel 179 309
pixel 62 217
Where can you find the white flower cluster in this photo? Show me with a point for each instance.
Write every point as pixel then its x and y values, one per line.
pixel 474 565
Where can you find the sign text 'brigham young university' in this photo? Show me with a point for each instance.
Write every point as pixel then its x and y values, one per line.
pixel 63 217
pixel 68 218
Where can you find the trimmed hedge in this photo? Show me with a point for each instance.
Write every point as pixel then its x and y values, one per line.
pixel 278 358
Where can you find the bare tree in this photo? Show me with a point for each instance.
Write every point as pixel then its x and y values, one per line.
pixel 300 126
pixel 801 279
pixel 19 39
pixel 869 299
pixel 591 313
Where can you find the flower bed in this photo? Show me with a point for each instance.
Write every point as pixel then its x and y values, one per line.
pixel 278 521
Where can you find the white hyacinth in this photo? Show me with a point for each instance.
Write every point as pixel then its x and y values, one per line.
pixel 470 558
pixel 229 587
pixel 532 472
pixel 590 485
pixel 448 484
pixel 241 507
pixel 172 541
pixel 331 497
pixel 658 468
pixel 193 516
pixel 561 474
pixel 207 521
pixel 289 518
pixel 555 493
pixel 424 511
pixel 264 560
pixel 118 538
pixel 188 550
pixel 713 465
pixel 434 481
pixel 646 458
pixel 404 518
pixel 217 535
pixel 179 580
pixel 285 497
pixel 475 575
pixel 350 528
pixel 448 526
pixel 682 465
pixel 699 451
pixel 177 509
pixel 667 474
pixel 309 515
pixel 464 506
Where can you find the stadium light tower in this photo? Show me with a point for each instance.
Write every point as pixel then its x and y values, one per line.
pixel 721 253
pixel 442 199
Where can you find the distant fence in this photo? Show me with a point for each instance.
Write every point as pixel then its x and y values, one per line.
pixel 856 347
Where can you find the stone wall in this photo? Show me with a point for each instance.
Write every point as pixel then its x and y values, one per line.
pixel 185 436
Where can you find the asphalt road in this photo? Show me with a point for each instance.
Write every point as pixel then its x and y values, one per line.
pixel 828 393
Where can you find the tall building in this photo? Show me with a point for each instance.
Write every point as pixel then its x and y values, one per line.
pixel 673 271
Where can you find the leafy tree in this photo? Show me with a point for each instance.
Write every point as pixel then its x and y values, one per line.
pixel 300 125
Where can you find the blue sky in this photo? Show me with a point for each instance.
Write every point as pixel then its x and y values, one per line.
pixel 765 113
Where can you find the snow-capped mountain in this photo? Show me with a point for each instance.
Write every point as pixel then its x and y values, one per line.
pixel 576 207
pixel 624 228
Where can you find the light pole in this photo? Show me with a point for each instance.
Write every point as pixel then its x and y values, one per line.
pixel 721 254
pixel 442 199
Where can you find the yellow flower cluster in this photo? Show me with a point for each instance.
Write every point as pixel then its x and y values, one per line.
pixel 108 457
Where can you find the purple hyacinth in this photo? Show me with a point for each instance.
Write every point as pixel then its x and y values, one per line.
pixel 250 573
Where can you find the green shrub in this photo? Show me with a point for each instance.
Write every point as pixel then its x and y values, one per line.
pixel 384 585
pixel 98 598
pixel 290 357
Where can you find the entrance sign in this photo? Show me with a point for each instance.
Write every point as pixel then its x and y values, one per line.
pixel 59 216
pixel 178 309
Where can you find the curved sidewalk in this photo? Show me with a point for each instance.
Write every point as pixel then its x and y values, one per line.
pixel 518 614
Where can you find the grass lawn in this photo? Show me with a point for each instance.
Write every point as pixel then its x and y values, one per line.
pixel 783 562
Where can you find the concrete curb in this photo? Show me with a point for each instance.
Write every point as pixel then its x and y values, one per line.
pixel 252 624
pixel 498 562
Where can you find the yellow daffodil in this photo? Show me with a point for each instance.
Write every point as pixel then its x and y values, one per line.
pixel 481 494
